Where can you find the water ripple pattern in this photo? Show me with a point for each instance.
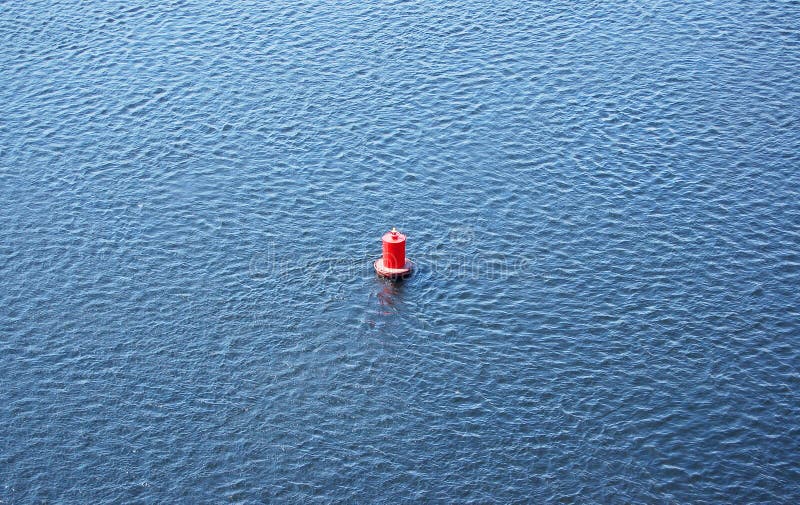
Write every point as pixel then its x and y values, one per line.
pixel 603 199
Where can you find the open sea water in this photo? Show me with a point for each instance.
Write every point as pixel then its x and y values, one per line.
pixel 602 199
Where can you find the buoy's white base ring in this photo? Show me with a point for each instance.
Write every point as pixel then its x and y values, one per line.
pixel 392 273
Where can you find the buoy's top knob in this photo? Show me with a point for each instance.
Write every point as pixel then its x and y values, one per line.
pixel 394 236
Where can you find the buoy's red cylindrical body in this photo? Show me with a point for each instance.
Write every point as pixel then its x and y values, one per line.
pixel 394 249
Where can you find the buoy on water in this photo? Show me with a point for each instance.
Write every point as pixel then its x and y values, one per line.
pixel 393 264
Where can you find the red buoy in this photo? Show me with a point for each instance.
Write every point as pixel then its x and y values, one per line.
pixel 393 264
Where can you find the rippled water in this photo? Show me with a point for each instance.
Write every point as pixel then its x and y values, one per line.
pixel 603 200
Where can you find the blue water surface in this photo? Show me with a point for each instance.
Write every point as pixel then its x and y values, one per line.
pixel 602 199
